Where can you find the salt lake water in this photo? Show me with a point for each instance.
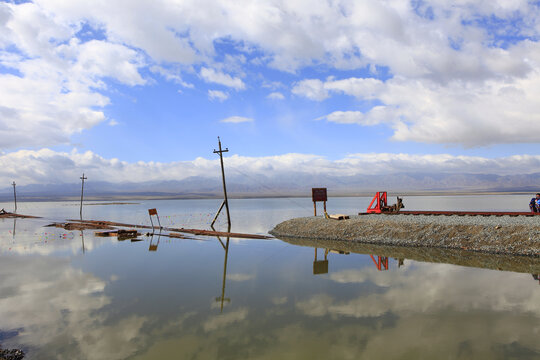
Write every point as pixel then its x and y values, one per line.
pixel 71 295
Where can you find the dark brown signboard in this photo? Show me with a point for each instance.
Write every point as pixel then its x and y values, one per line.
pixel 318 194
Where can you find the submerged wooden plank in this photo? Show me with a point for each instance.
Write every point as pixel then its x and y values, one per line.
pixel 79 226
pixel 221 233
pixel 105 233
pixel 338 216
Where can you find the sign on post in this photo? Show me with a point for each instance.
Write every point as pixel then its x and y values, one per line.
pixel 318 194
pixel 154 212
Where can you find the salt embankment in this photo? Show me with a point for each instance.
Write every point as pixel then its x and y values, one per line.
pixel 494 234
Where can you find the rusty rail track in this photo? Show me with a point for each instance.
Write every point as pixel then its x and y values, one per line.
pixel 458 213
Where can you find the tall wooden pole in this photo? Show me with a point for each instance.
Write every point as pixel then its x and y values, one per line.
pixel 15 195
pixel 82 191
pixel 225 201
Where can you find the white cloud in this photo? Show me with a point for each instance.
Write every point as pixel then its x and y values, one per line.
pixel 102 59
pixel 318 90
pixel 276 96
pixel 53 90
pixel 344 117
pixel 406 294
pixel 273 85
pixel 346 34
pixel 213 76
pixel 457 113
pixel 222 320
pixel 414 297
pixel 312 89
pixel 49 167
pixel 237 120
pixel 363 88
pixel 171 75
pixel 54 302
pixel 217 94
pixel 451 79
pixel 279 300
pixel 113 122
pixel 69 242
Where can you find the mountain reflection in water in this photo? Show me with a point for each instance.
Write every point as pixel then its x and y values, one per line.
pixel 71 295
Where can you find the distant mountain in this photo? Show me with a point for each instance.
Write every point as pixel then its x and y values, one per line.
pixel 290 184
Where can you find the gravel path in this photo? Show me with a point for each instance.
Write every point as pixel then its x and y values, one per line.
pixel 500 235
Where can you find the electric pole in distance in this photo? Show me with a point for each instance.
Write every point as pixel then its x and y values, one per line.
pixel 14 195
pixel 82 191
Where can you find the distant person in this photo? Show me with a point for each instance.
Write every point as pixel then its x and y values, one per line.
pixel 534 204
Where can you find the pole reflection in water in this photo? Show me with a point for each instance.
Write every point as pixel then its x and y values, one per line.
pixel 14 227
pixel 82 240
pixel 221 299
pixel 82 233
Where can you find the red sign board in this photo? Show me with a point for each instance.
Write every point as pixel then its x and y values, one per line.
pixel 318 194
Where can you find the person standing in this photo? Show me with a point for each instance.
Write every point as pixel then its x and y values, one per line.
pixel 534 204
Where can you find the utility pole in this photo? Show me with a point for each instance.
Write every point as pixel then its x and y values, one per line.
pixel 15 195
pixel 225 201
pixel 82 191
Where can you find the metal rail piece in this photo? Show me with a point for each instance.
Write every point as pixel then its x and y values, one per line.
pixel 460 213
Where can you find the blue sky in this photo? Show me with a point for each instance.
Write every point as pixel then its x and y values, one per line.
pixel 111 86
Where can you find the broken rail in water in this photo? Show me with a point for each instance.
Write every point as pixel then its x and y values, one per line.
pixel 133 234
pixel 182 230
pixel 9 215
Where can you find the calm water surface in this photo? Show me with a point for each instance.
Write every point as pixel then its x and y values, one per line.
pixel 70 295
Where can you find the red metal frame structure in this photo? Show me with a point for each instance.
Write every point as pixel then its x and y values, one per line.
pixel 379 205
pixel 380 199
pixel 381 263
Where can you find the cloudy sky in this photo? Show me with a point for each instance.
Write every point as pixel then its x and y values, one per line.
pixel 120 87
